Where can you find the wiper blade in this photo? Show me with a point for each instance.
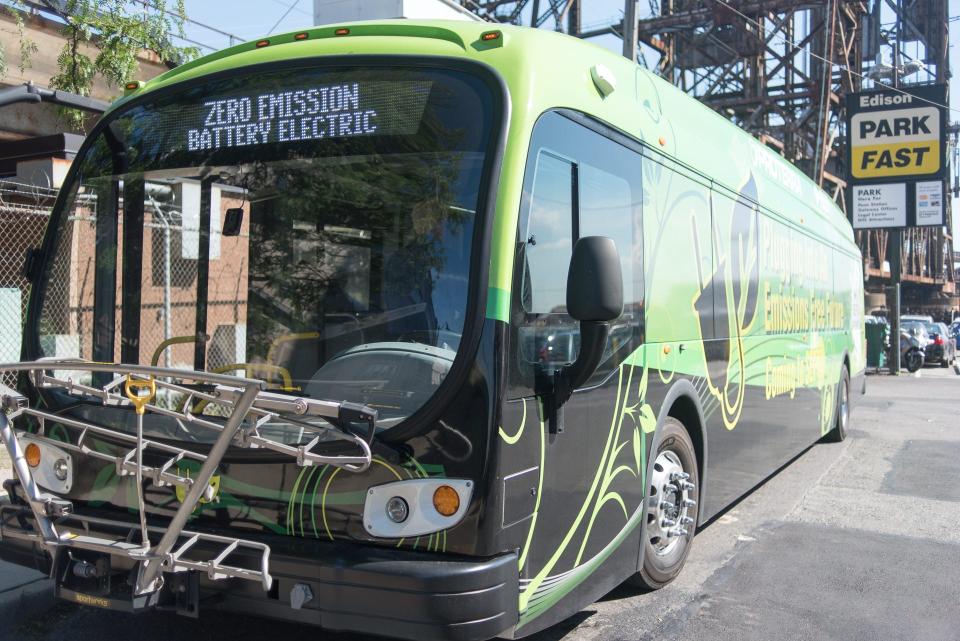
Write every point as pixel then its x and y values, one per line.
pixel 342 414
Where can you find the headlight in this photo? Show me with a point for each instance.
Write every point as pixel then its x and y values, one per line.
pixel 50 466
pixel 415 507
pixel 61 469
pixel 397 510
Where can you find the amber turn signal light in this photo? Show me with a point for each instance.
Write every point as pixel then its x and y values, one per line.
pixel 446 500
pixel 32 454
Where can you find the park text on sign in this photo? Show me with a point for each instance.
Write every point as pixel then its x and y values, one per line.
pixel 898 142
pixel 877 206
pixel 897 134
pixel 333 111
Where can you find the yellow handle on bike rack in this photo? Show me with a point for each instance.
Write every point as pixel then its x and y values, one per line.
pixel 140 401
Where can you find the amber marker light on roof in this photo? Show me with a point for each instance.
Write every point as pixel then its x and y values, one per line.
pixel 132 86
pixel 490 35
pixel 342 31
pixel 32 454
pixel 262 43
pixel 446 500
pixel 303 35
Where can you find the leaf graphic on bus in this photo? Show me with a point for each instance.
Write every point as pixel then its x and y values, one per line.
pixel 636 449
pixel 744 267
pixel 727 303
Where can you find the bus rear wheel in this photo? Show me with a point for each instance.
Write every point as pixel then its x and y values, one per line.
pixel 842 421
pixel 671 503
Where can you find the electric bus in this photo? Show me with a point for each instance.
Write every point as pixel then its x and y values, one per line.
pixel 432 330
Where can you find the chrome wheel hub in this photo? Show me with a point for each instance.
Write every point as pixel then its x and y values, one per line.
pixel 669 506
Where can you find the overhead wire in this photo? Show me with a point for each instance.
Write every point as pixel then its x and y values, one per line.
pixel 296 8
pixel 284 16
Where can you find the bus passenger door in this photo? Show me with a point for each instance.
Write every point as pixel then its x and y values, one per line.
pixel 578 183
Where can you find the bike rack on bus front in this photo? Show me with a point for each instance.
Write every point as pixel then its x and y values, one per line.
pixel 248 410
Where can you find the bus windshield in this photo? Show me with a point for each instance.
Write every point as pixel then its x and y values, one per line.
pixel 309 227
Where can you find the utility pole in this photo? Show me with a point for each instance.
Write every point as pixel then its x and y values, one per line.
pixel 895 242
pixel 630 29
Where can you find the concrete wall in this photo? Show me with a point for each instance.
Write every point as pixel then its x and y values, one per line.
pixel 26 120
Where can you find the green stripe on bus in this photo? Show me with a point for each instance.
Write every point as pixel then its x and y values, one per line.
pixel 498 304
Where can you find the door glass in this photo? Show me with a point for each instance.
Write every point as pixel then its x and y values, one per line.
pixel 578 183
pixel 549 236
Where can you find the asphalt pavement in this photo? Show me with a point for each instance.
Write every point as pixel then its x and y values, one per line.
pixel 856 540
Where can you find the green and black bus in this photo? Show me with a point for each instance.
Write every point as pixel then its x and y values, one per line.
pixel 431 330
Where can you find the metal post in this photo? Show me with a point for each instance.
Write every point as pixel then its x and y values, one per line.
pixel 893 304
pixel 630 30
pixel 895 242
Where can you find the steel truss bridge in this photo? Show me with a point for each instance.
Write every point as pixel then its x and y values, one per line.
pixel 781 69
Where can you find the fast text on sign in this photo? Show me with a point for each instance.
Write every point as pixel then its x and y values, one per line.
pixel 896 142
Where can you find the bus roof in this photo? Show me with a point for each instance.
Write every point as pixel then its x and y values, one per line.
pixel 545 70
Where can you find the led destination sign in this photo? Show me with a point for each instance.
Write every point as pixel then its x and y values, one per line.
pixel 341 110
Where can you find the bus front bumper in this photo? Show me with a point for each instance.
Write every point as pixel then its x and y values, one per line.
pixel 352 588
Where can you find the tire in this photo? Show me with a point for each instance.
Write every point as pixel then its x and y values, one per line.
pixel 664 556
pixel 914 360
pixel 842 412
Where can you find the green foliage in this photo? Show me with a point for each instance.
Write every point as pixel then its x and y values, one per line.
pixel 104 37
pixel 27 46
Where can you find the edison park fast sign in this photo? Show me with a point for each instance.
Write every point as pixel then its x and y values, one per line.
pixel 897 157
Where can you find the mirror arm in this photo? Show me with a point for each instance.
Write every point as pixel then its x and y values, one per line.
pixel 593 340
pixel 556 388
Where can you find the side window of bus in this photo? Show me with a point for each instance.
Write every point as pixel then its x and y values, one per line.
pixel 578 183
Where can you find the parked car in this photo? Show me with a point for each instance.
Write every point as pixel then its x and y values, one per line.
pixel 916 317
pixel 942 347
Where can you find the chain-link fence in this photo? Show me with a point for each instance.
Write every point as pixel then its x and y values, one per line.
pixel 24 212
pixel 170 328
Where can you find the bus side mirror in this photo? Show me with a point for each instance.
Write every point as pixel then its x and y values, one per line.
pixel 594 297
pixel 595 281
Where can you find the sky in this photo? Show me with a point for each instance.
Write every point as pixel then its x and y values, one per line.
pixel 253 19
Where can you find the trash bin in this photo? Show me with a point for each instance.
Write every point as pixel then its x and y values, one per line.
pixel 878 339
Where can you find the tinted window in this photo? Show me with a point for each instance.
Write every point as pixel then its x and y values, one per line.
pixel 311 227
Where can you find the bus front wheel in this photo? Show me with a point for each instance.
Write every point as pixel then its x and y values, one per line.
pixel 672 507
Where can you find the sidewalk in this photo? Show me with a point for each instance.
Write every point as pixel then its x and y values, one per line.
pixel 24 593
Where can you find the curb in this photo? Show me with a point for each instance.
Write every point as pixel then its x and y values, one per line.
pixel 26 601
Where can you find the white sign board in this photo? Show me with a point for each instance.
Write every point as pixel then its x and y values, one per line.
pixel 877 206
pixel 930 203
